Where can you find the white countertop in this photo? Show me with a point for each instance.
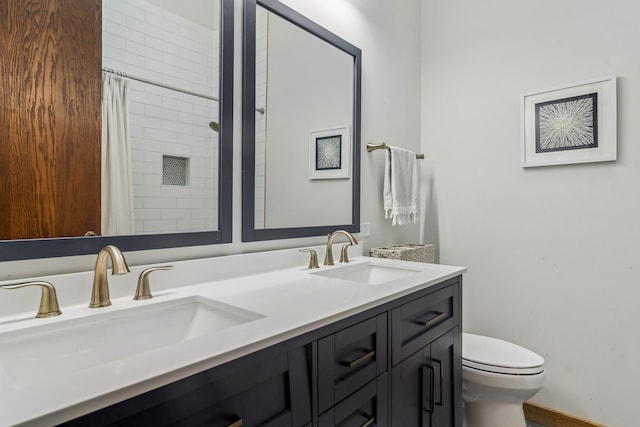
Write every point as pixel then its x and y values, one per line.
pixel 292 301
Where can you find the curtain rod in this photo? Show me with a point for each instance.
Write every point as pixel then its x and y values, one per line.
pixel 140 79
pixel 383 146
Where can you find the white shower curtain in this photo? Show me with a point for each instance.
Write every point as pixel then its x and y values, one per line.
pixel 117 184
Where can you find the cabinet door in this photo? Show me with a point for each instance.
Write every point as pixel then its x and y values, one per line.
pixel 424 386
pixel 409 384
pixel 446 385
pixel 270 391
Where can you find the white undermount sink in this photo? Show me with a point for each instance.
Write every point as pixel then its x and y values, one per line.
pixel 82 343
pixel 369 273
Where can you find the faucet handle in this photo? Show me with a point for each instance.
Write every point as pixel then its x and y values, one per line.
pixel 313 260
pixel 48 300
pixel 143 291
pixel 344 256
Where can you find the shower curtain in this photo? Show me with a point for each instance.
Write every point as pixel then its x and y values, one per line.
pixel 117 183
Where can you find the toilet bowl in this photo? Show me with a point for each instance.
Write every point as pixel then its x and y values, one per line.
pixel 497 378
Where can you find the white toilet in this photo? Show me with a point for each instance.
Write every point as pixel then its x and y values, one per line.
pixel 497 378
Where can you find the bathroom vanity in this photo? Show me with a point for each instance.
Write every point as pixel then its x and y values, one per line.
pixel 372 342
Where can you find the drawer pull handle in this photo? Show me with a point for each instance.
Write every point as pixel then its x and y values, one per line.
pixel 431 374
pixel 236 423
pixel 360 360
pixel 369 422
pixel 438 315
pixel 439 362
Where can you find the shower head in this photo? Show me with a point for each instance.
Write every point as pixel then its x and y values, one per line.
pixel 215 126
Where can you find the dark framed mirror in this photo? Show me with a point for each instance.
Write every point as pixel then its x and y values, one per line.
pixel 41 195
pixel 301 126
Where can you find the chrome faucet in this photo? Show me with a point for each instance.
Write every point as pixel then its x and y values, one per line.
pixel 328 257
pixel 100 294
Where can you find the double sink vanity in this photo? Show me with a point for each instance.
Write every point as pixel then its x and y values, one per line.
pixel 253 339
pixel 279 345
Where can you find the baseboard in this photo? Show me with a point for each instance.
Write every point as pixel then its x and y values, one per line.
pixel 552 418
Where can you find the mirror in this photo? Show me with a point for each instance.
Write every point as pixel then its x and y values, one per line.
pixel 301 116
pixel 178 64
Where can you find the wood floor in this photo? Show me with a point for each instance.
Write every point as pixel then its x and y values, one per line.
pixel 540 416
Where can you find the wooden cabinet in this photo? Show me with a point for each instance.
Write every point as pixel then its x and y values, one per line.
pixel 398 364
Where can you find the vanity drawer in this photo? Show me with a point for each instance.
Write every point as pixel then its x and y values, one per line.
pixel 366 407
pixel 418 322
pixel 349 359
pixel 269 392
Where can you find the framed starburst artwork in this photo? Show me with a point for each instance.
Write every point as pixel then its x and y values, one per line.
pixel 329 153
pixel 570 124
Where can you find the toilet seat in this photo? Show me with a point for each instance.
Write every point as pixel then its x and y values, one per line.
pixel 500 357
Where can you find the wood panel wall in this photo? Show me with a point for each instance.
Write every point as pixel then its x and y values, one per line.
pixel 50 117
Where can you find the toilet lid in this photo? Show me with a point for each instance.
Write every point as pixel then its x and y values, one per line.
pixel 498 356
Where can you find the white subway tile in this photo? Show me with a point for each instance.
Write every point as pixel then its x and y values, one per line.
pixel 143 27
pixel 161 113
pixel 152 180
pixel 178 105
pixel 159 135
pixel 159 226
pixel 144 122
pixel 176 149
pixel 138 48
pixel 175 214
pixel 177 192
pixel 159 203
pixel 147 214
pixel 164 46
pixel 144 191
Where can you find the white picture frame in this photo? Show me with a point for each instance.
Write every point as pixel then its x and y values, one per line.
pixel 330 153
pixel 575 123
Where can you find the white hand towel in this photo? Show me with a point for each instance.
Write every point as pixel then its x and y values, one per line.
pixel 400 191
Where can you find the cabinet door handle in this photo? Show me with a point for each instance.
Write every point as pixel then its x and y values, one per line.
pixel 432 375
pixel 438 315
pixel 360 360
pixel 439 362
pixel 236 423
pixel 369 422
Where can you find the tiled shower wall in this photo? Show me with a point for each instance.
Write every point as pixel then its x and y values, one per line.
pixel 145 41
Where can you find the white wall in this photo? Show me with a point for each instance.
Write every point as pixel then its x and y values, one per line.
pixel 387 33
pixel 552 252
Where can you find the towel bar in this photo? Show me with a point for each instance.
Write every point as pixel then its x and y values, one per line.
pixel 383 146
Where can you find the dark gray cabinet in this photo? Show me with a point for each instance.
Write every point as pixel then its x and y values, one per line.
pixel 424 386
pixel 398 364
pixel 366 407
pixel 351 358
pixel 271 390
pixel 352 375
pixel 426 352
